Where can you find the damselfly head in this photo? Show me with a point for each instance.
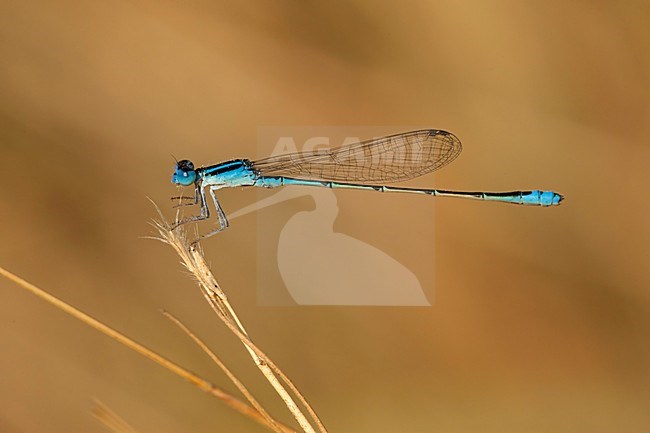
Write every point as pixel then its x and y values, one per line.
pixel 184 174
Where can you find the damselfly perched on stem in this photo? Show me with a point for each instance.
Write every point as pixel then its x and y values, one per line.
pixel 364 165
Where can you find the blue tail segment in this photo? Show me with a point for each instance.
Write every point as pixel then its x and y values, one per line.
pixel 531 198
pixel 543 198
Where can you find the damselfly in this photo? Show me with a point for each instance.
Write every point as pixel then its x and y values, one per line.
pixel 364 165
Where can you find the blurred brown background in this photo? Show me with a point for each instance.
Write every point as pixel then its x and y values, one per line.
pixel 540 321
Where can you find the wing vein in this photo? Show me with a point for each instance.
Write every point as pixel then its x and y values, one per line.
pixel 394 158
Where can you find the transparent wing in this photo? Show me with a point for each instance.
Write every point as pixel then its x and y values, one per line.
pixel 393 158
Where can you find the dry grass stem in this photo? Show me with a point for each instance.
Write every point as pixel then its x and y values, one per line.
pixel 265 363
pixel 228 373
pixel 192 258
pixel 110 419
pixel 201 383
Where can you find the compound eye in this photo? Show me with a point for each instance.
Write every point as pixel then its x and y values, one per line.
pixel 184 174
